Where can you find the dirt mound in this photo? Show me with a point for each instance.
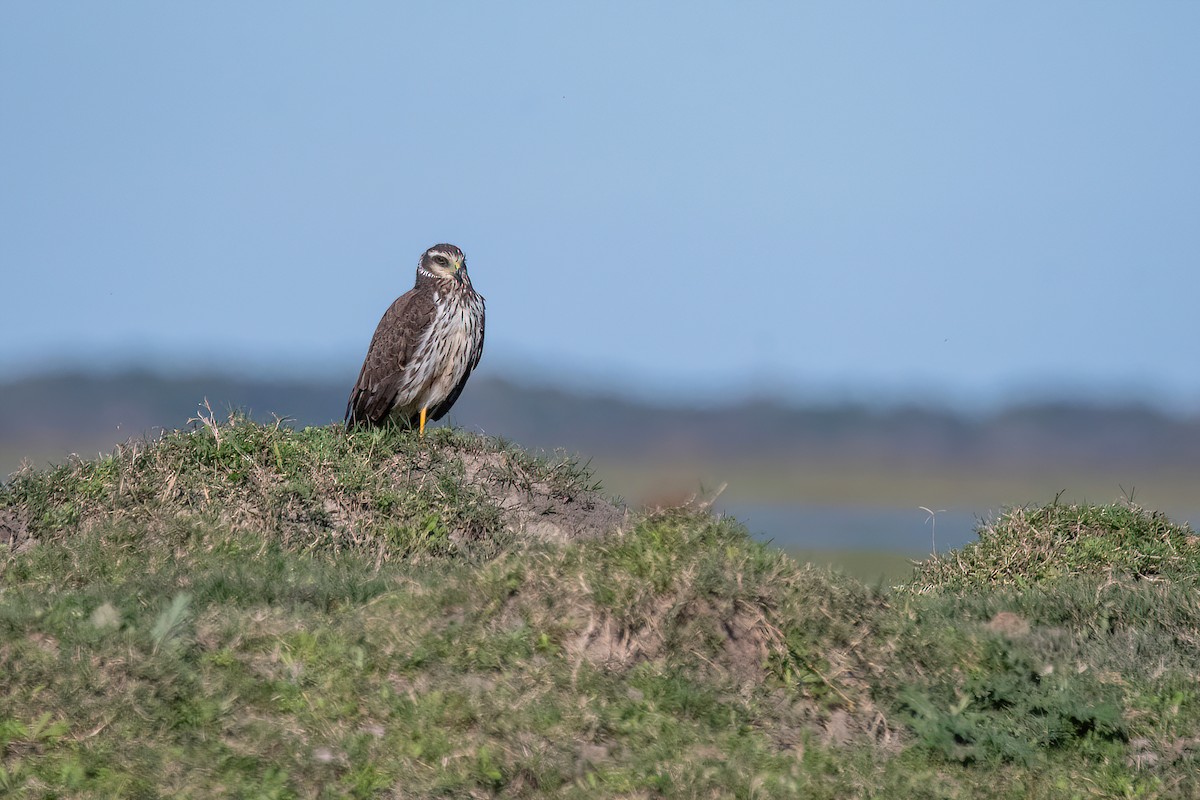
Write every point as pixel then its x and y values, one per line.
pixel 534 506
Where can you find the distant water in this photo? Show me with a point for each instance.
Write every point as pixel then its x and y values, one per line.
pixel 850 528
pixel 896 530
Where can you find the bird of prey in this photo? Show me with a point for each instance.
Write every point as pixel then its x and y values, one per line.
pixel 424 349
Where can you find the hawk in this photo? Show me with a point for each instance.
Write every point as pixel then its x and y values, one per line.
pixel 424 348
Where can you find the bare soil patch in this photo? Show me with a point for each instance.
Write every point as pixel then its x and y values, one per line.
pixel 14 529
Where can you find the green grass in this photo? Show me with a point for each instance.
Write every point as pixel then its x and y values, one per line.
pixel 250 611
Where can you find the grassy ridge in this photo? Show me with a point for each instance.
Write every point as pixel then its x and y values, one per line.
pixel 252 611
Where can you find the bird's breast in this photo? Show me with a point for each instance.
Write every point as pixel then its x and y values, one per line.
pixel 453 338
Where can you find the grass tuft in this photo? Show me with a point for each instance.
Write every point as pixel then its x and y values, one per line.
pixel 169 627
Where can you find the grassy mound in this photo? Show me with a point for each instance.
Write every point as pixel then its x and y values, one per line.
pixel 1028 546
pixel 318 488
pixel 252 611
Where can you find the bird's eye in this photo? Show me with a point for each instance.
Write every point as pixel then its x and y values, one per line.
pixel 440 260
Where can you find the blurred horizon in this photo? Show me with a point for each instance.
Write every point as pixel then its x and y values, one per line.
pixel 768 449
pixel 641 388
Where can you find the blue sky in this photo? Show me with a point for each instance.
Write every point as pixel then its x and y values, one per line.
pixel 967 201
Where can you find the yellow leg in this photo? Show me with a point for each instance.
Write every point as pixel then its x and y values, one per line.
pixel 423 423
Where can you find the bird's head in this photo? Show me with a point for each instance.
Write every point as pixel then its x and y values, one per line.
pixel 444 261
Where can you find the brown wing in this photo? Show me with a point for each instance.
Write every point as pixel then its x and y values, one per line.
pixel 440 410
pixel 376 391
